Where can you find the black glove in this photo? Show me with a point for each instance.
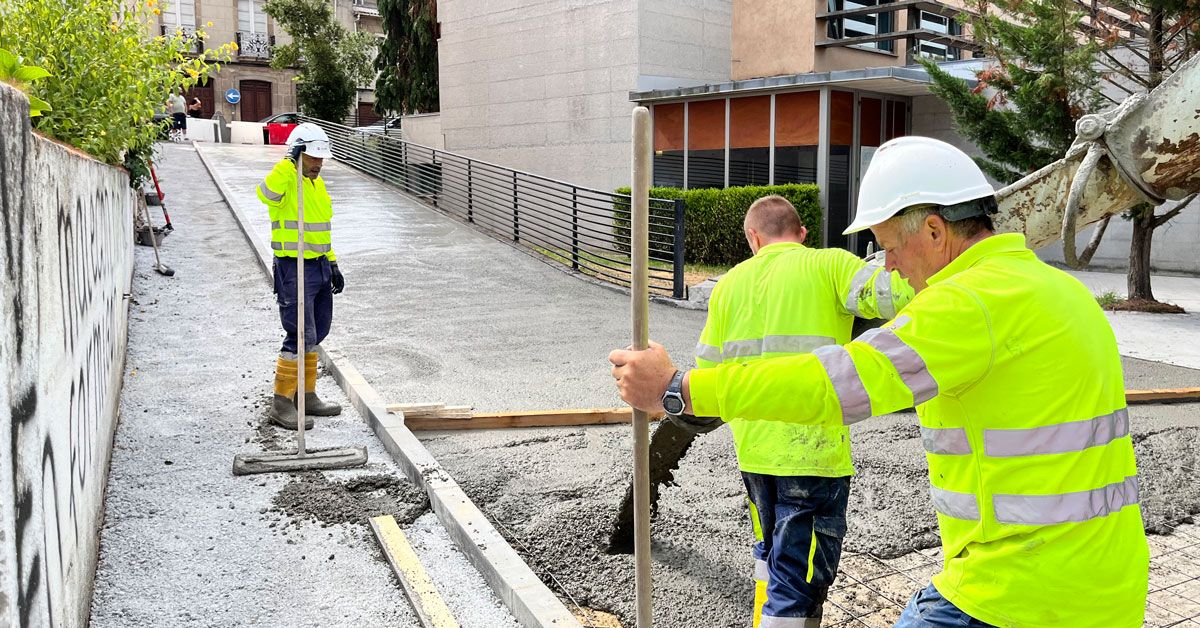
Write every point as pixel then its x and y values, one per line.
pixel 696 424
pixel 339 282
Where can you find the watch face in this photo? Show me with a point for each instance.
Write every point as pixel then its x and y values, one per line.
pixel 673 405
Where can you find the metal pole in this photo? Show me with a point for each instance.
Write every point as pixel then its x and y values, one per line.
pixel 470 193
pixel 677 266
pixel 639 291
pixel 516 212
pixel 301 354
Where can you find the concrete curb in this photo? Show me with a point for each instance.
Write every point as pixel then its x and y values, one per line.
pixel 530 600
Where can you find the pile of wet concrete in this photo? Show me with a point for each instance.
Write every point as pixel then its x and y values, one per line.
pixel 556 492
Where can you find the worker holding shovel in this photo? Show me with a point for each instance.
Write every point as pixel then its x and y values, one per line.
pixel 322 279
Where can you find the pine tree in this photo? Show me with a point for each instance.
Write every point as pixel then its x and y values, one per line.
pixel 1042 81
pixel 407 61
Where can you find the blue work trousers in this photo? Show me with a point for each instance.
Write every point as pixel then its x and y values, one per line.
pixel 318 301
pixel 801 521
pixel 928 609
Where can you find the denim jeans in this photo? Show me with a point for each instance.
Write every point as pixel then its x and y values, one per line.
pixel 801 523
pixel 928 609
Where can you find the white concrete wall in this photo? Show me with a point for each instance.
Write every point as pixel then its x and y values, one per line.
pixel 543 85
pixel 67 234
pixel 424 129
pixel 1176 245
pixel 683 43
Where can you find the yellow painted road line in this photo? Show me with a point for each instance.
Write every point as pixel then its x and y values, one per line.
pixel 431 609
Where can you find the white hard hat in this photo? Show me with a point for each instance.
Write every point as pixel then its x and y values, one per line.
pixel 313 138
pixel 913 170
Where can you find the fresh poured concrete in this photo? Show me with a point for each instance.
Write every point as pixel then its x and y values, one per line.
pixel 437 312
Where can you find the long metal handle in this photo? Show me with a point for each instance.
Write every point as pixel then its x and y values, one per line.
pixel 301 353
pixel 639 291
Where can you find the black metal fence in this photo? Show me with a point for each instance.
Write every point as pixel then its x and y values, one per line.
pixel 584 229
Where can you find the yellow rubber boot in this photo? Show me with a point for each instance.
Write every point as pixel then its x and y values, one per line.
pixel 312 403
pixel 283 409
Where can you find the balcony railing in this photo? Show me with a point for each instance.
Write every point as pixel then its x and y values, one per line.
pixel 255 45
pixel 187 32
pixel 921 36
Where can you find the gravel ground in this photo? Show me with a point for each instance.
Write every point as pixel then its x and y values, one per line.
pixel 186 543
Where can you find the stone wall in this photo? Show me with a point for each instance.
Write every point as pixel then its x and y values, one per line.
pixel 67 237
pixel 424 129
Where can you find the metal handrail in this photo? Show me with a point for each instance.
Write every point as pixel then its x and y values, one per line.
pixel 583 229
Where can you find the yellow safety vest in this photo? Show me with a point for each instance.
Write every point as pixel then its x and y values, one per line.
pixel 785 300
pixel 278 191
pixel 1022 412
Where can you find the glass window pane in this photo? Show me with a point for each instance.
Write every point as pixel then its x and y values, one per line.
pixel 795 164
pixel 749 166
pixel 668 169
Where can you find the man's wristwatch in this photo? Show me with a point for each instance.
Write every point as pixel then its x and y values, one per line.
pixel 672 400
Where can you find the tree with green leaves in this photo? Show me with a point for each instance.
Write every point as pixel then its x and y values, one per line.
pixel 100 71
pixel 333 61
pixel 1053 60
pixel 407 61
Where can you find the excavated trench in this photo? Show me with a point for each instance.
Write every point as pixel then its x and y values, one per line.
pixel 556 493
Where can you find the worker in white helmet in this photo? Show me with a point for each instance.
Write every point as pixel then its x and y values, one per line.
pixel 1017 382
pixel 322 279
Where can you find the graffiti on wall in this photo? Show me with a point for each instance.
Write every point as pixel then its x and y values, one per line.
pixel 69 257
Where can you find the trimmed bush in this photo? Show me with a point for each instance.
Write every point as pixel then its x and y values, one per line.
pixel 712 223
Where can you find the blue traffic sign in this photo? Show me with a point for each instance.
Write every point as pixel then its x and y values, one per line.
pixel 232 96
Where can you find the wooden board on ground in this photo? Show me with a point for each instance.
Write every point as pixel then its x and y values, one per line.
pixel 430 410
pixel 1162 395
pixel 427 603
pixel 528 418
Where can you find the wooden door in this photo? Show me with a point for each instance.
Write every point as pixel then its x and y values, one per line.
pixel 207 99
pixel 256 100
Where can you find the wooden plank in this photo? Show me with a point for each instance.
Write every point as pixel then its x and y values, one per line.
pixel 414 407
pixel 428 604
pixel 1162 395
pixel 530 418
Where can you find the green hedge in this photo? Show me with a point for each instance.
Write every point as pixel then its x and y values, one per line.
pixel 712 220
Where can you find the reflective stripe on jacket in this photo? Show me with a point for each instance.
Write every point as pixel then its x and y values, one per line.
pixel 278 191
pixel 1022 413
pixel 785 300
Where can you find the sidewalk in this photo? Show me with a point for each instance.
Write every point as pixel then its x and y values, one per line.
pixel 186 543
pixel 1170 338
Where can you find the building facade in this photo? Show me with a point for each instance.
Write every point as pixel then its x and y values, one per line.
pixel 264 90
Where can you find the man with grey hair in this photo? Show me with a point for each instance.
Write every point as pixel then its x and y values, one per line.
pixel 788 299
pixel 1017 381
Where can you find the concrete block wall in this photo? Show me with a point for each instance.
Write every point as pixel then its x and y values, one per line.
pixel 543 85
pixel 67 237
pixel 424 129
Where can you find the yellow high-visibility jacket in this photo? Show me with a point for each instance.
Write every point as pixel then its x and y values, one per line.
pixel 785 300
pixel 1022 412
pixel 278 191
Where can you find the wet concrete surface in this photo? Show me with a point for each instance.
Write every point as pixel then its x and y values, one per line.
pixel 184 541
pixel 557 490
pixel 436 312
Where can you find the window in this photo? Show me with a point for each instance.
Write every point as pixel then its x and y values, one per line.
pixel 861 25
pixel 938 24
pixel 668 145
pixel 251 18
pixel 180 14
pixel 749 140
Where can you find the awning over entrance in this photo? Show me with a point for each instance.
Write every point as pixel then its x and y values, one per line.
pixel 911 80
